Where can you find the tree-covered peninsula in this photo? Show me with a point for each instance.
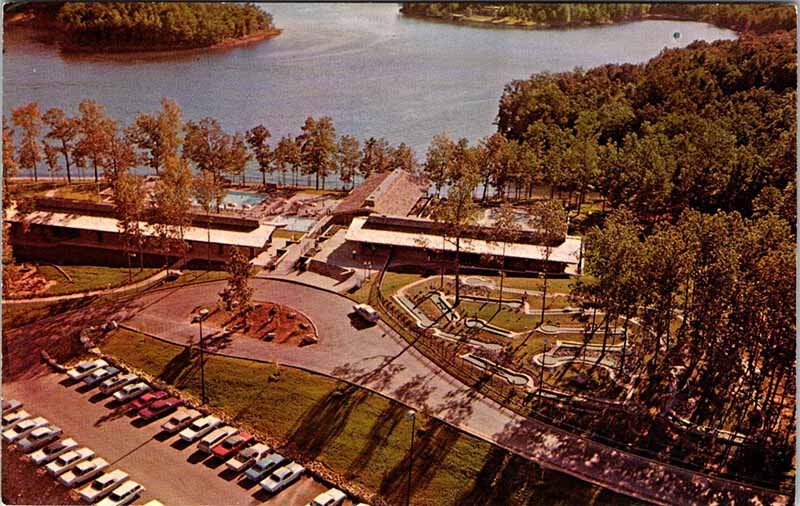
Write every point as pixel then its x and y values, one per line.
pixel 760 18
pixel 148 26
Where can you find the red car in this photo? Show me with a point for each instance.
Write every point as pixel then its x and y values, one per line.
pixel 232 445
pixel 148 399
pixel 159 408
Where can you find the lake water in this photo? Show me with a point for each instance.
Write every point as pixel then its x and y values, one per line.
pixel 375 72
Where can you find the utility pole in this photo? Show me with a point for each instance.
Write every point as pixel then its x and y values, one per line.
pixel 413 415
pixel 202 316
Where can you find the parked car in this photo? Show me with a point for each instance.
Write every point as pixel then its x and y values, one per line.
pixel 231 445
pixel 366 312
pixel 15 417
pixel 39 437
pixel 23 428
pixel 263 466
pixel 111 385
pixel 160 407
pixel 101 374
pixel 11 405
pixel 333 497
pixel 68 460
pixel 84 472
pixel 180 420
pixel 123 494
pixel 248 457
pixel 282 477
pixel 131 391
pixel 102 485
pixel 85 368
pixel 53 451
pixel 215 437
pixel 199 428
pixel 148 398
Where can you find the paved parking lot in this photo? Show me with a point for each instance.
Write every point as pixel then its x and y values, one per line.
pixel 171 472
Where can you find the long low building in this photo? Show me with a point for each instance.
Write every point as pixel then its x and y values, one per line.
pixel 76 232
pixel 417 236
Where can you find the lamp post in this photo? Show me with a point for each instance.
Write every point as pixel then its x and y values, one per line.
pixel 541 371
pixel 202 316
pixel 413 415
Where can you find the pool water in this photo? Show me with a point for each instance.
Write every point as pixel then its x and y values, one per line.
pixel 298 223
pixel 239 199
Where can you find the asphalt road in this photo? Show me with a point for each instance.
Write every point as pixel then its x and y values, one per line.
pixel 171 473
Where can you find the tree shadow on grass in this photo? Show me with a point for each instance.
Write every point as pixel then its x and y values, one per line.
pixel 177 366
pixel 430 450
pixel 324 421
pixel 377 437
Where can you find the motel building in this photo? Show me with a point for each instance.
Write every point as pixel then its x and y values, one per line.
pixel 72 231
pixel 389 212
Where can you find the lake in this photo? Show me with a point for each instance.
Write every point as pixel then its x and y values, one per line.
pixel 375 72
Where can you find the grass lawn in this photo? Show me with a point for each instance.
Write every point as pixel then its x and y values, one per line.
pixel 90 277
pixel 361 295
pixel 505 318
pixel 359 435
pixel 393 281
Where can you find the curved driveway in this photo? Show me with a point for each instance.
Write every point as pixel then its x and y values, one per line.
pixel 378 359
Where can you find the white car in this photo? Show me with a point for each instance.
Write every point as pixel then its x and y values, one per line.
pixel 333 497
pixel 84 472
pixel 367 312
pixel 123 494
pixel 102 485
pixel 111 385
pixel 85 368
pixel 68 461
pixel 53 450
pixel 180 420
pixel 23 428
pixel 38 437
pixel 11 405
pixel 199 428
pixel 248 456
pixel 129 392
pixel 282 477
pixel 101 374
pixel 216 437
pixel 15 417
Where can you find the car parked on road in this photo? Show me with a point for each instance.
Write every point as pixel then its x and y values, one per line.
pixel 131 391
pixel 159 408
pixel 282 477
pixel 69 460
pixel 231 445
pixel 148 399
pixel 102 485
pixel 84 472
pixel 199 428
pixel 333 497
pixel 85 368
pixel 248 457
pixel 123 494
pixel 23 428
pixel 215 437
pixel 11 405
pixel 101 374
pixel 180 420
pixel 111 385
pixel 366 312
pixel 39 437
pixel 53 451
pixel 15 417
pixel 263 466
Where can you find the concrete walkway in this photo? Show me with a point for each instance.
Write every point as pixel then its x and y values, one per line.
pixel 377 359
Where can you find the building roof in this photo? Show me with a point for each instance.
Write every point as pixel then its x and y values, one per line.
pixel 567 252
pixel 255 238
pixel 392 193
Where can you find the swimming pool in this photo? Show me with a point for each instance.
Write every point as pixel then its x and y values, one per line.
pixel 239 199
pixel 298 223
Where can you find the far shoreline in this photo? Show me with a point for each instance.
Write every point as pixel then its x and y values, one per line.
pixel 72 48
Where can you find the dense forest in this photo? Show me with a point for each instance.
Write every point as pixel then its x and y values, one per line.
pixel 710 127
pixel 160 24
pixel 760 18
